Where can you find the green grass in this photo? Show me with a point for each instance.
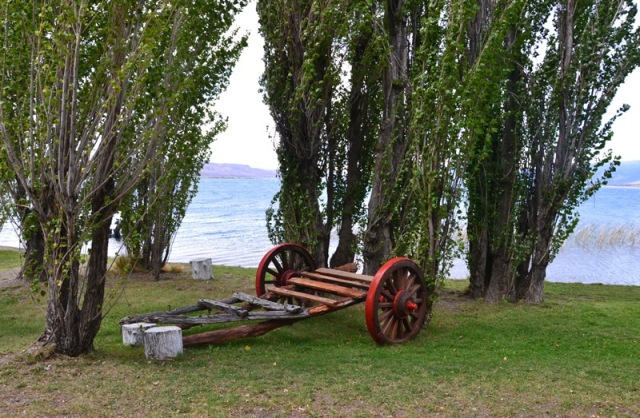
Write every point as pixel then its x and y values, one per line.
pixel 575 355
pixel 10 259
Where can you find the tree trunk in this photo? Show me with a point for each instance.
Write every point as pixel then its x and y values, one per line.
pixel 530 287
pixel 502 271
pixel 479 170
pixel 95 277
pixel 391 147
pixel 479 255
pixel 357 166
pixel 32 267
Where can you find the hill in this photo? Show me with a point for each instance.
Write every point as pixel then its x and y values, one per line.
pixel 627 174
pixel 235 171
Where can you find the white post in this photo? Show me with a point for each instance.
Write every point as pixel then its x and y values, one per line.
pixel 201 268
pixel 161 343
pixel 132 334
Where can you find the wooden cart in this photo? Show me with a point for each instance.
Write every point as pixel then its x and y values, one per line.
pixel 290 288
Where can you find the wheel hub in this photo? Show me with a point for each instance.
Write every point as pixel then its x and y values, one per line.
pixel 403 304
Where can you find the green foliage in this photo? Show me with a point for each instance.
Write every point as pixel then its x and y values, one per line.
pixel 187 72
pixel 434 185
pixel 533 119
pixel 322 161
pixel 87 113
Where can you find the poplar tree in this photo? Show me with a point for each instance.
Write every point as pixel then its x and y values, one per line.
pixel 545 73
pixel 586 56
pixel 324 125
pixel 74 77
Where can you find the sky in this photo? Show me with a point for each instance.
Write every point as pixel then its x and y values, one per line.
pixel 249 136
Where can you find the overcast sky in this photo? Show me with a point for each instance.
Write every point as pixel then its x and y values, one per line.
pixel 248 138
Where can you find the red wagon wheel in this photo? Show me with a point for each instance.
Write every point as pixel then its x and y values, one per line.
pixel 280 263
pixel 396 304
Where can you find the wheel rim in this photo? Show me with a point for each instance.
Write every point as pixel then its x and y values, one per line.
pixel 280 263
pixel 396 304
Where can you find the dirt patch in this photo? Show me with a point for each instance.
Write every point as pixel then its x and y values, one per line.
pixel 9 278
pixel 451 301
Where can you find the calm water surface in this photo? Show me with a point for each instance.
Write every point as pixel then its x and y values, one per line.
pixel 226 222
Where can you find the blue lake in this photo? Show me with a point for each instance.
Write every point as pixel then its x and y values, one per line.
pixel 226 222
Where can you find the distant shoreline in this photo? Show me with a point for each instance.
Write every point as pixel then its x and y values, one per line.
pixel 235 171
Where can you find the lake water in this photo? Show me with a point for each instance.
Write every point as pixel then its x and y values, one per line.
pixel 226 222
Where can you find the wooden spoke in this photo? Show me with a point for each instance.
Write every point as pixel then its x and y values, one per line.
pixel 386 315
pixel 386 295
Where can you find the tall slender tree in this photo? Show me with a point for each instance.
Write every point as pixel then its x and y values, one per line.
pixel 498 37
pixel 324 124
pixel 187 72
pixel 427 230
pixel 545 76
pixel 392 142
pixel 73 75
pixel 586 55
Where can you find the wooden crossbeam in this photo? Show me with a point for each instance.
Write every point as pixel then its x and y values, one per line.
pixel 327 287
pixel 345 275
pixel 216 304
pixel 300 295
pixel 267 304
pixel 325 278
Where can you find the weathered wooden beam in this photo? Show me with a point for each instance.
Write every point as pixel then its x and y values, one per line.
pixel 220 318
pixel 177 311
pixel 267 304
pixel 227 307
pixel 229 334
pixel 322 309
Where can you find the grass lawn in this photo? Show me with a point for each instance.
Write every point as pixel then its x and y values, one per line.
pixel 9 258
pixel 578 354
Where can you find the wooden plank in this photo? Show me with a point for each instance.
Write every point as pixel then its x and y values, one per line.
pixel 267 304
pixel 301 295
pixel 322 309
pixel 221 318
pixel 216 304
pixel 325 278
pixel 275 315
pixel 345 275
pixel 164 314
pixel 163 318
pixel 327 287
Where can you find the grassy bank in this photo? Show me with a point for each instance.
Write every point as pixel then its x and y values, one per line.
pixel 575 355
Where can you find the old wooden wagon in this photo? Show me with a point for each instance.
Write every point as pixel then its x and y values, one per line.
pixel 290 288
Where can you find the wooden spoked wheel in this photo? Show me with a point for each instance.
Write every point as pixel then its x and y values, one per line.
pixel 280 263
pixel 396 304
